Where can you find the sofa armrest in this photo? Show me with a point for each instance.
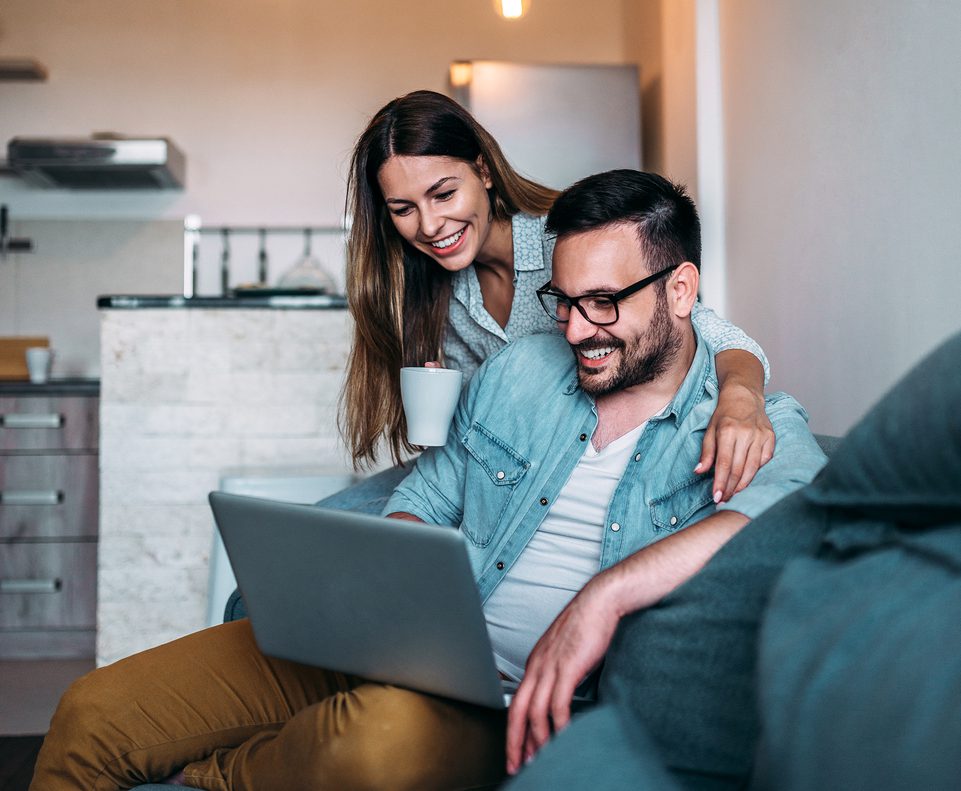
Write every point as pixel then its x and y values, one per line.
pixel 236 607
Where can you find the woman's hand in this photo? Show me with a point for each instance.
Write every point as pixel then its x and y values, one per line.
pixel 739 440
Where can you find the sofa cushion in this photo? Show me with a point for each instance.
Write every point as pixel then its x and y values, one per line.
pixel 605 749
pixel 860 670
pixel 889 466
pixel 687 665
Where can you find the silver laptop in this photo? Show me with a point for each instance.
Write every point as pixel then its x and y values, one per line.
pixel 388 600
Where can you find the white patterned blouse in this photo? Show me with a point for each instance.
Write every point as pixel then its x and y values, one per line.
pixel 473 335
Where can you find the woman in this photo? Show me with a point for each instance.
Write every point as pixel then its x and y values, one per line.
pixel 446 250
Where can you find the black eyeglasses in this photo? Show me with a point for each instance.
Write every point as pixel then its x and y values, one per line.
pixel 598 309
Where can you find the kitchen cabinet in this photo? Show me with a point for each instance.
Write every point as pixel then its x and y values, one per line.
pixel 49 485
pixel 193 391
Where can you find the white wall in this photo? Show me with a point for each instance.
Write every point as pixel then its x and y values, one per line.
pixel 842 122
pixel 265 98
pixel 53 291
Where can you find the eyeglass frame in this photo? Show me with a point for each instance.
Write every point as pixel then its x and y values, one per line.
pixel 614 297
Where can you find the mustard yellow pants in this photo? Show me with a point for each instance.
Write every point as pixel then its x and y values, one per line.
pixel 234 719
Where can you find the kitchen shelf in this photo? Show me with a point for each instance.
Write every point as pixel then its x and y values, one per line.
pixel 141 302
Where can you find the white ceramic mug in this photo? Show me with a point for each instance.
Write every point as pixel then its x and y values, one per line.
pixel 430 397
pixel 39 359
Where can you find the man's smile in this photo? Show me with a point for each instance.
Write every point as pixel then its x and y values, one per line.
pixel 594 355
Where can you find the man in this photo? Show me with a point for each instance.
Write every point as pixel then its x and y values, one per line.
pixel 564 465
pixel 570 470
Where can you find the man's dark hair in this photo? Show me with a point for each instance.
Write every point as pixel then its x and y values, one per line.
pixel 665 217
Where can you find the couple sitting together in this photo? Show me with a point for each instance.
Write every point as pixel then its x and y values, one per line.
pixel 574 469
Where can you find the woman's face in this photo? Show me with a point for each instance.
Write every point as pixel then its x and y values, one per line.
pixel 439 205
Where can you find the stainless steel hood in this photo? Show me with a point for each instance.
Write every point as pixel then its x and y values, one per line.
pixel 99 162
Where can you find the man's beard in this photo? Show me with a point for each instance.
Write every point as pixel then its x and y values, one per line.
pixel 643 359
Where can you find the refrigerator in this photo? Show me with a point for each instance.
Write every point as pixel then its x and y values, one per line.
pixel 555 123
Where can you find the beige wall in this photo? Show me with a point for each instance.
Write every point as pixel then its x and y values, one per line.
pixel 842 129
pixel 660 37
pixel 266 98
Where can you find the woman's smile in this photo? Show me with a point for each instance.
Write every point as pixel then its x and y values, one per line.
pixel 450 244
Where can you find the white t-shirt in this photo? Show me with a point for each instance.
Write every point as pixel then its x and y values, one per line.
pixel 562 556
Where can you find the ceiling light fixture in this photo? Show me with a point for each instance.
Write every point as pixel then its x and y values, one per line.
pixel 512 9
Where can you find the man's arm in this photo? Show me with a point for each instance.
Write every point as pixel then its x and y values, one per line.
pixel 579 637
pixel 405 516
pixel 434 490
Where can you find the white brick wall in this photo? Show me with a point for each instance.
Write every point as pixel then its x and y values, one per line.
pixel 185 396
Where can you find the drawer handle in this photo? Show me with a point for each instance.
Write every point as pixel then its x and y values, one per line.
pixel 14 420
pixel 31 586
pixel 28 497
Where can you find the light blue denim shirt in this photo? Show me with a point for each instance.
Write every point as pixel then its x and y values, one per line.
pixel 521 428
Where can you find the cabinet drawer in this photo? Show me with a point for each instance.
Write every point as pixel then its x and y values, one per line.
pixel 49 423
pixel 48 585
pixel 48 496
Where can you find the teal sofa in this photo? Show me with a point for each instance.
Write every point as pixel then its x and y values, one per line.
pixel 821 647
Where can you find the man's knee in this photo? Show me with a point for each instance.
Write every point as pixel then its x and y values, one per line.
pixel 398 739
pixel 85 704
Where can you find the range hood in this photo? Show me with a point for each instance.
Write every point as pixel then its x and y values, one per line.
pixel 99 162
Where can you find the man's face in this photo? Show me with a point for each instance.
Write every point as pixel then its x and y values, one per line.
pixel 644 341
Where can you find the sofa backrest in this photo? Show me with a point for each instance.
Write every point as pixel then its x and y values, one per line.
pixel 828 443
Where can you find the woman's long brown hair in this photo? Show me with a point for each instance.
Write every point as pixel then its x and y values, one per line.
pixel 397 295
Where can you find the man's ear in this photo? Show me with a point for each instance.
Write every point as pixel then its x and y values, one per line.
pixel 484 172
pixel 682 289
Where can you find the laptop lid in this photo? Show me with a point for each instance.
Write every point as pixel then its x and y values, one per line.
pixel 389 600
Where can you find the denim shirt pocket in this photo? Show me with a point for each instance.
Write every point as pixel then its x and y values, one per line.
pixel 682 504
pixel 493 472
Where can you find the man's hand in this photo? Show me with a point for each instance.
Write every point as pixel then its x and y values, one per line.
pixel 572 647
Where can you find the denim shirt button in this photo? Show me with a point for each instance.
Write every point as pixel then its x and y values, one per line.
pixel 543 501
pixel 637 457
pixel 583 437
pixel 500 565
pixel 500 475
pixel 673 521
pixel 615 526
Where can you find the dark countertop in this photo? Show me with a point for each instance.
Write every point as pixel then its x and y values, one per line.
pixel 274 301
pixel 52 387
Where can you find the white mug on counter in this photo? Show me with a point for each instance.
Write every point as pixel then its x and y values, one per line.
pixel 39 359
pixel 430 397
